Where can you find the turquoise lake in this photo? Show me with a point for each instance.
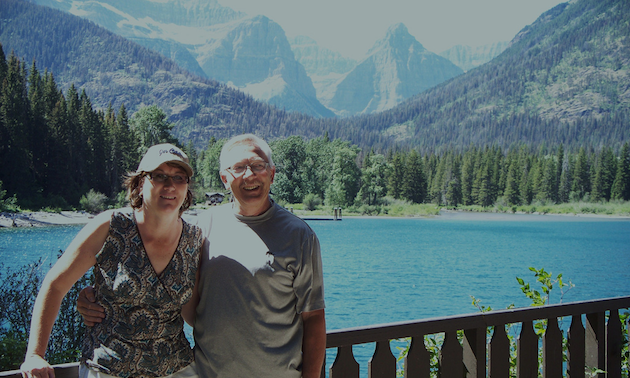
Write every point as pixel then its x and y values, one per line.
pixel 381 270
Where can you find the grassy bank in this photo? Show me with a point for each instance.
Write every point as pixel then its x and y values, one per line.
pixel 403 209
pixel 613 208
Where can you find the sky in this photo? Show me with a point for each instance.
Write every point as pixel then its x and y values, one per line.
pixel 351 27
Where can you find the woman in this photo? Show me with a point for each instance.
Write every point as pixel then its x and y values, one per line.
pixel 145 264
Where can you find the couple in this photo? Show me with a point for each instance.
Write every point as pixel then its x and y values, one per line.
pixel 256 301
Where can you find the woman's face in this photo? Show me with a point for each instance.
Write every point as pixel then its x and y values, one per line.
pixel 164 189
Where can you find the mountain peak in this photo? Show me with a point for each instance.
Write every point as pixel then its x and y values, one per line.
pixel 398 28
pixel 397 37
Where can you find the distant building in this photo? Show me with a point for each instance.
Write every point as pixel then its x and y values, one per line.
pixel 214 198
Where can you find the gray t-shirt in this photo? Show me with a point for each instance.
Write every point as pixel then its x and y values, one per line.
pixel 258 274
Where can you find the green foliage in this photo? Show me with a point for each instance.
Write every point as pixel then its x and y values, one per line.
pixel 7 204
pixel 345 173
pixel 311 201
pixel 93 202
pixel 289 156
pixel 152 127
pixel 18 290
pixel 546 282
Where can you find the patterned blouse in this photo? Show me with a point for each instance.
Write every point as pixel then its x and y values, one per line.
pixel 142 333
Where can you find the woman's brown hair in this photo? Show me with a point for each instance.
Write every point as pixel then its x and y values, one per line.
pixel 132 184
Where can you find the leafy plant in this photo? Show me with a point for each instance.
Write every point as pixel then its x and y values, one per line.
pixel 311 201
pixel 93 202
pixel 18 290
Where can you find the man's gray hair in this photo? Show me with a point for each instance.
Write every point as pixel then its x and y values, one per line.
pixel 245 139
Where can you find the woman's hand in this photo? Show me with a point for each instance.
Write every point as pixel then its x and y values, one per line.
pixel 86 305
pixel 36 366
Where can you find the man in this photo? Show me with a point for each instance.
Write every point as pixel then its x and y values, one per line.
pixel 260 309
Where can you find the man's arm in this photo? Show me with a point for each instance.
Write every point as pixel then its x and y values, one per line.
pixel 313 343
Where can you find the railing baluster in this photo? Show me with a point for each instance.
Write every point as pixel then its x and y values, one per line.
pixel 475 352
pixel 595 341
pixel 345 366
pixel 499 351
pixel 418 360
pixel 575 336
pixel 451 357
pixel 552 350
pixel 527 352
pixel 614 340
pixel 383 363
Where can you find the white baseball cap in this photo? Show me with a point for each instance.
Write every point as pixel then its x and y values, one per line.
pixel 164 153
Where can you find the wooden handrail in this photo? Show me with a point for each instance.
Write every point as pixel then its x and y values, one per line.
pixel 428 326
pixel 594 343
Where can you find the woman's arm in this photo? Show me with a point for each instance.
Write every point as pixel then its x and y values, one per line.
pixel 76 260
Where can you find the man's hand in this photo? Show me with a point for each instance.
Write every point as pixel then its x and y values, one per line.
pixel 92 313
pixel 35 366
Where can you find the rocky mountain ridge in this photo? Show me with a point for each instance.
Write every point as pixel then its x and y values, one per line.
pixel 251 54
pixel 467 57
pixel 396 68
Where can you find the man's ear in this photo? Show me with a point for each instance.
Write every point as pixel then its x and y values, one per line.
pixel 273 173
pixel 224 179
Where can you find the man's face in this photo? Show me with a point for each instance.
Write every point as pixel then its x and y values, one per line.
pixel 250 189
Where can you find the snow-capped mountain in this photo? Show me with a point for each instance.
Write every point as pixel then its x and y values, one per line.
pixel 210 40
pixel 396 68
pixel 467 58
pixel 325 67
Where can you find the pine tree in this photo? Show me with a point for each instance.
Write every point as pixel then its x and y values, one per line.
pixel 467 176
pixel 396 176
pixel 511 193
pixel 452 179
pixel 581 175
pixel 621 185
pixel 15 170
pixel 414 185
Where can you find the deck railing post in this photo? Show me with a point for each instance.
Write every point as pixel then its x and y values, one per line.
pixel 475 352
pixel 345 366
pixel 614 343
pixel 527 352
pixel 383 363
pixel 451 356
pixel 552 349
pixel 418 359
pixel 499 352
pixel 595 340
pixel 576 348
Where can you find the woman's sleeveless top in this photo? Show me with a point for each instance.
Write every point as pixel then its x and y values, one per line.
pixel 142 333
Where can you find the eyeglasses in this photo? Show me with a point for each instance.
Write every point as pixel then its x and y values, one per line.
pixel 162 178
pixel 239 169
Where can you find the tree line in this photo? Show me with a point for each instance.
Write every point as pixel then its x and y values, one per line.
pixel 337 173
pixel 56 147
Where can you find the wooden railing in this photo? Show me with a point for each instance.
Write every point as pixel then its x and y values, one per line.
pixel 595 342
pixel 595 339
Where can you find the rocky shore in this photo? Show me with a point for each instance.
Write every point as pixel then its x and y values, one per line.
pixel 41 218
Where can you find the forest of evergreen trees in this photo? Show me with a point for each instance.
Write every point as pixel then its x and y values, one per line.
pixel 56 147
pixel 562 81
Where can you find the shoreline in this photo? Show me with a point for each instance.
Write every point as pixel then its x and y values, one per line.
pixel 43 219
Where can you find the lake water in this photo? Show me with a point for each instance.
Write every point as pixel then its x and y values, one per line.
pixel 386 270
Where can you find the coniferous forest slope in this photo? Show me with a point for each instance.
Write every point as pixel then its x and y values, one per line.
pixel 564 79
pixel 114 70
